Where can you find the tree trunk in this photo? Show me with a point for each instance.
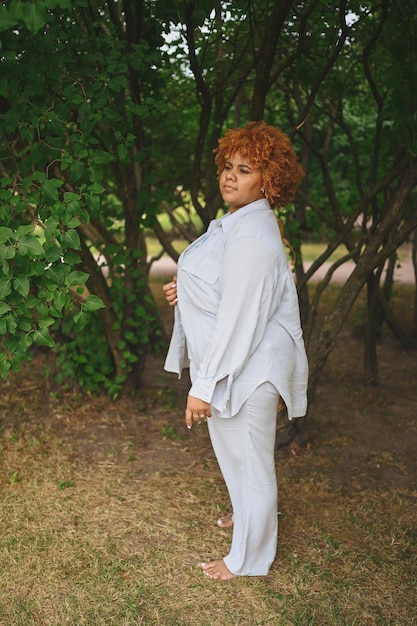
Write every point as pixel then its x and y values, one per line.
pixel 371 331
pixel 265 58
pixel 414 260
pixel 406 341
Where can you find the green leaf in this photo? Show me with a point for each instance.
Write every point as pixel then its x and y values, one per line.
pixel 101 158
pixel 50 189
pixel 52 253
pixel 42 338
pixel 93 303
pixel 4 308
pixel 4 256
pixel 140 311
pixel 34 16
pixel 70 196
pixel 51 226
pixel 32 301
pixel 45 322
pixel 7 19
pixel 70 239
pixel 93 202
pixel 25 325
pixel 42 309
pixel 28 244
pixel 77 278
pixel 10 120
pixel 96 188
pixel 5 234
pixel 122 151
pixel 11 323
pixel 74 206
pixel 60 300
pixel 23 230
pixel 71 257
pixel 55 275
pixel 81 320
pixel 9 252
pixel 77 170
pixel 5 287
pixel 21 285
pixel 73 222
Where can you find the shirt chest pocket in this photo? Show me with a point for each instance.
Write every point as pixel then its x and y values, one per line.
pixel 206 269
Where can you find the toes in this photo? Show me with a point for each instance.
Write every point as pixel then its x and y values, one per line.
pixel 216 570
pixel 226 521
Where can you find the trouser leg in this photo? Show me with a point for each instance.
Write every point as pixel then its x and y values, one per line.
pixel 244 446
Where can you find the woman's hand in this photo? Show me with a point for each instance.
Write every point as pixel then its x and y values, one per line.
pixel 170 292
pixel 197 411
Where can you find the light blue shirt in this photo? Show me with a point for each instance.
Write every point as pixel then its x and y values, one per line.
pixel 237 322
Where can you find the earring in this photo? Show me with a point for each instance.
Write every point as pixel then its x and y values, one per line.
pixel 262 191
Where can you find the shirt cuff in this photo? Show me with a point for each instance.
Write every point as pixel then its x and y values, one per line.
pixel 203 389
pixel 215 392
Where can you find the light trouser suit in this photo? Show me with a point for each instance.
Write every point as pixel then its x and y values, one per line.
pixel 244 446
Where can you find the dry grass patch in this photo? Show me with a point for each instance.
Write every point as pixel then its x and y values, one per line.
pixel 97 543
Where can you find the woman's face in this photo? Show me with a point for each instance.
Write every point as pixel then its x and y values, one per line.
pixel 240 182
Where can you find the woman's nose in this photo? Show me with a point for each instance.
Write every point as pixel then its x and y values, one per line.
pixel 230 174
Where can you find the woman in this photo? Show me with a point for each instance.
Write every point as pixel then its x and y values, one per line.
pixel 237 326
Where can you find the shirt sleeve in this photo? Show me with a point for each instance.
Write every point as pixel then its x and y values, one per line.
pixel 248 287
pixel 177 356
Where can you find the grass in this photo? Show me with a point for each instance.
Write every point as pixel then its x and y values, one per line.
pixel 104 543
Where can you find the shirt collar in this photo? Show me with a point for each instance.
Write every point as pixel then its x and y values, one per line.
pixel 227 221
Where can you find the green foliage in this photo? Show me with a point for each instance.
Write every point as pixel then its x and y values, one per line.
pixel 73 142
pixel 400 76
pixel 109 115
pixel 83 354
pixel 38 275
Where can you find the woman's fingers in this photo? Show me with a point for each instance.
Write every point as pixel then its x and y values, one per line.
pixel 194 418
pixel 197 411
pixel 188 418
pixel 170 292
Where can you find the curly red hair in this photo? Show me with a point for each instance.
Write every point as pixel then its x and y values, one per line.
pixel 271 151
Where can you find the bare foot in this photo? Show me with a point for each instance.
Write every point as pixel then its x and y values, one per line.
pixel 226 521
pixel 217 570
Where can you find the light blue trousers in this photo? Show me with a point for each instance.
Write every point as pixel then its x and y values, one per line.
pixel 244 446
